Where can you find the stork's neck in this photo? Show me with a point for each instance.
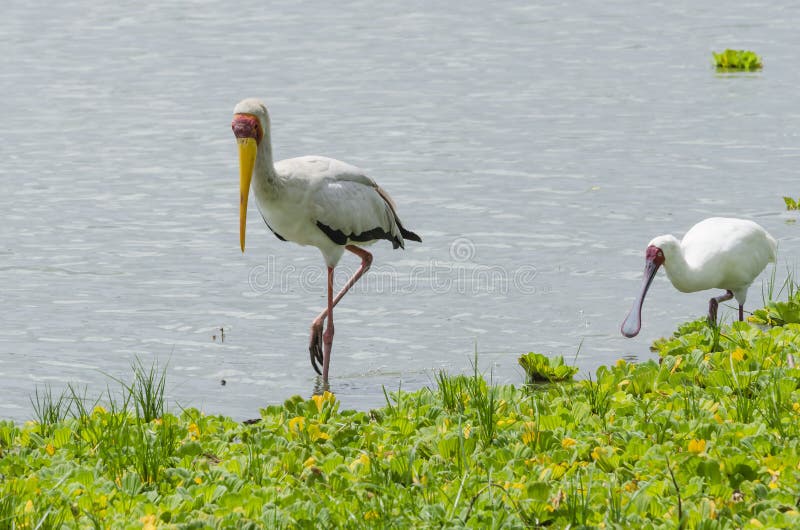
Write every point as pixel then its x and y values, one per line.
pixel 266 183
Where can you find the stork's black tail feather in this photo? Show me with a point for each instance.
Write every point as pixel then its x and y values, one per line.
pixel 408 234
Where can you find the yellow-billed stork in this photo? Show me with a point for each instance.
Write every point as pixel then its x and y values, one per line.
pixel 313 200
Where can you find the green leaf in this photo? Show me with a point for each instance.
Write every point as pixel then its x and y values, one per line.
pixel 540 369
pixel 737 60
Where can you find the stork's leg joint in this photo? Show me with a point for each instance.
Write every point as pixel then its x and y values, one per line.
pixel 327 337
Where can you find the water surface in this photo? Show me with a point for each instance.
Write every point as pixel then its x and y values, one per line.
pixel 535 148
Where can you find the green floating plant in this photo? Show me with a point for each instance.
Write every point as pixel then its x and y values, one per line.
pixel 778 313
pixel 541 369
pixel 737 60
pixel 791 204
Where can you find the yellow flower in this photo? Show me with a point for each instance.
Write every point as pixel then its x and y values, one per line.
pixel 198 480
pixel 697 446
pixel 737 354
pixel 622 384
pixel 98 409
pixel 467 430
pixel 362 460
pixel 194 431
pixel 507 421
pixel 370 515
pixel 712 509
pixel 148 522
pixel 315 433
pixel 620 363
pixel 310 461
pixel 29 506
pixel 774 476
pixel 49 449
pixel 568 442
pixel 678 361
pixel 297 424
pixel 321 399
pixel 796 406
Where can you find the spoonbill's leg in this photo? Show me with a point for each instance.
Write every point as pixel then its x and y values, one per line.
pixel 317 339
pixel 713 304
pixel 741 312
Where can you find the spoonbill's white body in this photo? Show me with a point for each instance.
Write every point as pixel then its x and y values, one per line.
pixel 313 200
pixel 716 253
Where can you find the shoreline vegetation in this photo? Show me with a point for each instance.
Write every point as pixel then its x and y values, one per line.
pixel 706 437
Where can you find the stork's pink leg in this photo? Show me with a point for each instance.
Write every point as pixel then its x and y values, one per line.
pixel 713 304
pixel 327 337
pixel 318 339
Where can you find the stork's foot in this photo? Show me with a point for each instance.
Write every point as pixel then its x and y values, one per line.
pixel 320 386
pixel 315 346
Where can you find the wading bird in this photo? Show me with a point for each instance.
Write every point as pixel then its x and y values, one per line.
pixel 716 253
pixel 313 200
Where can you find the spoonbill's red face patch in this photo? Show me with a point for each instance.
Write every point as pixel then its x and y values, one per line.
pixel 655 255
pixel 247 126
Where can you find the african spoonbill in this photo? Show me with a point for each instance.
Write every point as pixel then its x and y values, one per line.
pixel 716 253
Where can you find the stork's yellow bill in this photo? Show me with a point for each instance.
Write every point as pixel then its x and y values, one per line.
pixel 247 159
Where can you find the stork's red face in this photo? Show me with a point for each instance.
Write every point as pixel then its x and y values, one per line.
pixel 247 126
pixel 249 133
pixel 654 258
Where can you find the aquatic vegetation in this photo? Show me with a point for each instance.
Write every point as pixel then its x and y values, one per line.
pixel 541 369
pixel 737 60
pixel 791 204
pixel 708 437
pixel 778 312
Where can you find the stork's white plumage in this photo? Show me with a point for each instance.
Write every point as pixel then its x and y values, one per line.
pixel 716 253
pixel 313 200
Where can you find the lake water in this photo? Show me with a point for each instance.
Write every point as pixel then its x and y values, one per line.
pixel 535 148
